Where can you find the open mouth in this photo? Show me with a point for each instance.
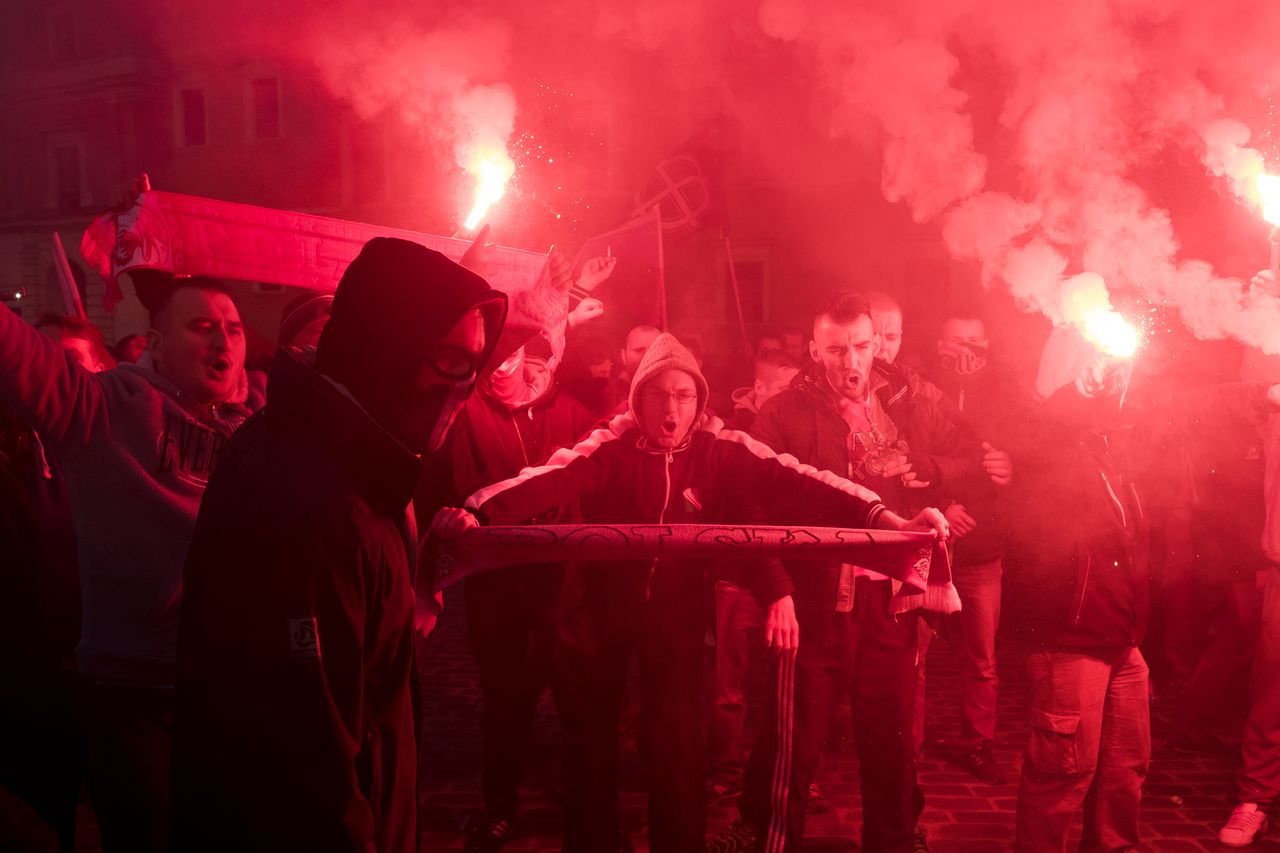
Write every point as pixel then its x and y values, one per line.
pixel 669 427
pixel 220 367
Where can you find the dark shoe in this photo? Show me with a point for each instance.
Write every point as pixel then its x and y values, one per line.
pixel 737 837
pixel 817 803
pixel 920 844
pixel 979 761
pixel 487 833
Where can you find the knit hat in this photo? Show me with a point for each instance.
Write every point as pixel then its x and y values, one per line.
pixel 301 311
pixel 667 353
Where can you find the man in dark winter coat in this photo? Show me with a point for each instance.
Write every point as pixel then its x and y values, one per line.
pixel 982 394
pixel 295 722
pixel 846 416
pixel 1090 724
pixel 666 461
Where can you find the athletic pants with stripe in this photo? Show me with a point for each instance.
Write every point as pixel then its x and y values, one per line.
pixel 871 655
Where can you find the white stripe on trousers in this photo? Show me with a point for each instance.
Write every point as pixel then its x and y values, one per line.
pixel 781 789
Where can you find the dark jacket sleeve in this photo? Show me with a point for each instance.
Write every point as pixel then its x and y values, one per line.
pixel 568 475
pixel 45 386
pixel 954 456
pixel 767 426
pixel 781 490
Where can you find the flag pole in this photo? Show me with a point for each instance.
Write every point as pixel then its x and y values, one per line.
pixel 662 274
pixel 733 279
pixel 66 281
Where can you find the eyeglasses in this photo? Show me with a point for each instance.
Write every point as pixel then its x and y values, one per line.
pixel 682 398
pixel 454 362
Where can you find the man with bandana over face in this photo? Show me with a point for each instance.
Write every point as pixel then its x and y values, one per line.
pixel 982 394
pixel 295 720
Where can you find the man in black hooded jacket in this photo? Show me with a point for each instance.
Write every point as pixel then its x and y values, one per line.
pixel 295 721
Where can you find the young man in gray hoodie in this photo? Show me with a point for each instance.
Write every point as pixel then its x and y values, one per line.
pixel 137 444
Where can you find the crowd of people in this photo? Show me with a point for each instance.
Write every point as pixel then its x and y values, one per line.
pixel 217 602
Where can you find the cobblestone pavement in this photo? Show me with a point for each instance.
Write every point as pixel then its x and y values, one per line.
pixel 1186 797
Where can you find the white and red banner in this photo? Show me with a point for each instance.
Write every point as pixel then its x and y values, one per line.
pixel 190 235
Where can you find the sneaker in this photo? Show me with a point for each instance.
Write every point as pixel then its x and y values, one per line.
pixel 979 761
pixel 1247 821
pixel 919 843
pixel 817 802
pixel 737 837
pixel 487 833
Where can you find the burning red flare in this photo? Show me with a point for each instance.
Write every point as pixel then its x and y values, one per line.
pixel 492 168
pixel 1087 306
pixel 1269 192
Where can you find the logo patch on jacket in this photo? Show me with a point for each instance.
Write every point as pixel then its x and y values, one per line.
pixel 304 638
pixel 691 497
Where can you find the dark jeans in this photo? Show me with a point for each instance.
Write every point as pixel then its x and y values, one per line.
pixel 871 654
pixel 599 639
pixel 512 633
pixel 129 741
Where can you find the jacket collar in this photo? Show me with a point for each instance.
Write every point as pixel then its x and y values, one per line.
pixel 145 370
pixel 311 402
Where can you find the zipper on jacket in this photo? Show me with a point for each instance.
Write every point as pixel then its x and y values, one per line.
pixel 1084 585
pixel 519 437
pixel 662 515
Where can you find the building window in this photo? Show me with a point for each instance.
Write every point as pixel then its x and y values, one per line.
pixel 266 107
pixel 193 117
pixel 66 178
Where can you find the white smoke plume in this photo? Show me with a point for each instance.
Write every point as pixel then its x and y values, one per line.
pixel 1091 91
pixel 446 81
pixel 1026 132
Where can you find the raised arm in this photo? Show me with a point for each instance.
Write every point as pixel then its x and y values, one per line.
pixel 45 386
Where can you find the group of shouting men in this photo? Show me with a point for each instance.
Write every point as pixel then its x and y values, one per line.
pixel 253 582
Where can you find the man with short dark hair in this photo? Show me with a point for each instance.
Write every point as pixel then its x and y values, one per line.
pixel 295 726
pixel 634 346
pixel 856 635
pixel 138 444
pixel 795 344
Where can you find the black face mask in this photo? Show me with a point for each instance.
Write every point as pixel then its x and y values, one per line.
pixel 962 359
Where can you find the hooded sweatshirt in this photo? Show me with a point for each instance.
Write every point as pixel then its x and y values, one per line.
pixel 295 720
pixel 137 453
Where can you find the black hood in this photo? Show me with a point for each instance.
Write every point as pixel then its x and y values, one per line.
pixel 396 302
